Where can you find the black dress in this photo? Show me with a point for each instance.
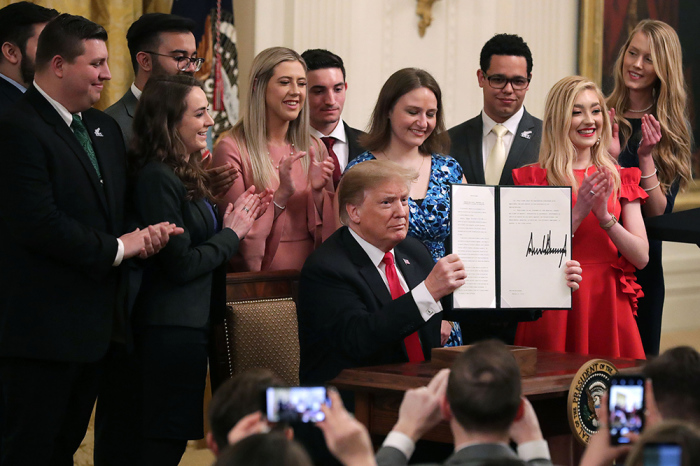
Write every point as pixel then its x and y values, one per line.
pixel 651 277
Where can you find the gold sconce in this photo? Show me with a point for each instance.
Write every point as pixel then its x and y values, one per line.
pixel 424 9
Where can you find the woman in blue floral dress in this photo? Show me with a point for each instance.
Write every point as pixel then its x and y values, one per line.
pixel 408 128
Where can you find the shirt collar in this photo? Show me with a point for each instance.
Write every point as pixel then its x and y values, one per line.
pixel 462 446
pixel 62 111
pixel 136 91
pixel 375 254
pixel 511 123
pixel 338 133
pixel 14 83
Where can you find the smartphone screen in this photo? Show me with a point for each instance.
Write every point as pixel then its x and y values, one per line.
pixel 295 404
pixel 626 406
pixel 662 454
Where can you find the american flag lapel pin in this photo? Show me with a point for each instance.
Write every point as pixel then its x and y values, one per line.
pixel 405 261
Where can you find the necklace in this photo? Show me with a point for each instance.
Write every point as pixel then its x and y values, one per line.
pixel 422 159
pixel 642 110
pixel 291 152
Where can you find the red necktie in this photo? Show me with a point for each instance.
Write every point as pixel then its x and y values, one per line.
pixel 412 342
pixel 329 142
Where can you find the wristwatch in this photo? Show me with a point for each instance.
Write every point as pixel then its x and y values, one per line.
pixel 609 224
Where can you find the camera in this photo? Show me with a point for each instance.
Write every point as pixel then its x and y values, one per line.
pixel 626 407
pixel 295 404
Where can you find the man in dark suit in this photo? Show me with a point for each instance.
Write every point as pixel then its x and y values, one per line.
pixel 62 196
pixel 159 44
pixel 504 77
pixel 20 26
pixel 326 95
pixel 480 396
pixel 351 311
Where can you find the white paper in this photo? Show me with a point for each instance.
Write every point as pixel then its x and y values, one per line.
pixel 535 245
pixel 473 224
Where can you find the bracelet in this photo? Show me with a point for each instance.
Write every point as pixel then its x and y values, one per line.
pixel 653 187
pixel 649 176
pixel 280 207
pixel 609 224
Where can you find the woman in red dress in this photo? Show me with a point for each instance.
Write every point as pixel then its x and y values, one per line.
pixel 574 153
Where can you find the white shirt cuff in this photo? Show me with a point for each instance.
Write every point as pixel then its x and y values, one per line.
pixel 531 450
pixel 120 254
pixel 425 302
pixel 401 442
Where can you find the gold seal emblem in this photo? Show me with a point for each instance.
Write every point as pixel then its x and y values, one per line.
pixel 585 394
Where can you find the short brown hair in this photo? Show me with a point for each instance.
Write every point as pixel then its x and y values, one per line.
pixel 484 388
pixel 399 84
pixel 368 175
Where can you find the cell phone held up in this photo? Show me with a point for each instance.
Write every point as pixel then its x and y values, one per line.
pixel 295 404
pixel 626 407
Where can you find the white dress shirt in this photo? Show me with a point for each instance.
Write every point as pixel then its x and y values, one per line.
pixel 340 147
pixel 489 138
pixel 427 306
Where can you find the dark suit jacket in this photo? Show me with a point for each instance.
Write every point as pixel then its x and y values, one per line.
pixel 354 148
pixel 475 455
pixel 123 111
pixel 9 94
pixel 466 148
pixel 346 315
pixel 58 229
pixel 180 281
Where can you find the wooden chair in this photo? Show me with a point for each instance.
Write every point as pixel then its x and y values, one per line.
pixel 260 326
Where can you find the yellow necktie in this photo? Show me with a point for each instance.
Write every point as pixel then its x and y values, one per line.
pixel 497 157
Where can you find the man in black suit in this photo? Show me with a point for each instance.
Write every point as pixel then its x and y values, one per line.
pixel 480 396
pixel 20 26
pixel 350 311
pixel 159 44
pixel 504 77
pixel 62 196
pixel 326 95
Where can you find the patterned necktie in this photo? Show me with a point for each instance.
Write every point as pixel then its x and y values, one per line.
pixel 412 342
pixel 497 157
pixel 81 133
pixel 329 142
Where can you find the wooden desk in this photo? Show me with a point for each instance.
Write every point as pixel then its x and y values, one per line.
pixel 379 391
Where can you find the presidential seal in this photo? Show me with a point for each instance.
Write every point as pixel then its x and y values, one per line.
pixel 585 396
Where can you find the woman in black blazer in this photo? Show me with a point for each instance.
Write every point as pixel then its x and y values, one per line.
pixel 183 291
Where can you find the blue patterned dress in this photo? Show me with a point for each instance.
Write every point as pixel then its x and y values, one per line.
pixel 430 220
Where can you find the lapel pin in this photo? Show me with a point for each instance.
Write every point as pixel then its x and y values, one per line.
pixel 98 133
pixel 405 261
pixel 526 134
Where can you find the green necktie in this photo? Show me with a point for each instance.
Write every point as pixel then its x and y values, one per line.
pixel 81 133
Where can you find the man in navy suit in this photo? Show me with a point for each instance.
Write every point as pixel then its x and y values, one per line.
pixel 349 312
pixel 504 77
pixel 326 95
pixel 20 26
pixel 62 241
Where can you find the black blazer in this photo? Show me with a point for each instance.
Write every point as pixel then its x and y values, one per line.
pixel 346 315
pixel 354 147
pixel 473 455
pixel 9 94
pixel 183 284
pixel 466 148
pixel 58 229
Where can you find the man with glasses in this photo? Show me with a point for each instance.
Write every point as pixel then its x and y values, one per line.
pixel 504 136
pixel 159 44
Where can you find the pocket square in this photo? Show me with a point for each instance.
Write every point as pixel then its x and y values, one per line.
pixel 98 133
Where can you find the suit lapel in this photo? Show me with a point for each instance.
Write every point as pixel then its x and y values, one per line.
pixel 366 268
pixel 206 216
pixel 474 140
pixel 517 149
pixel 408 268
pixel 130 102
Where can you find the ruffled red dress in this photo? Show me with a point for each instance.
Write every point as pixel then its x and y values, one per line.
pixel 603 311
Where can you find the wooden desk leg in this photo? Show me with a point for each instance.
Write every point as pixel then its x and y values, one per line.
pixel 362 408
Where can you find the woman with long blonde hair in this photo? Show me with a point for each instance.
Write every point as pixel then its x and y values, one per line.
pixel 271 148
pixel 650 109
pixel 574 152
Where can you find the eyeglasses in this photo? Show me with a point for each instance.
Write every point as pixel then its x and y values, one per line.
pixel 498 81
pixel 183 62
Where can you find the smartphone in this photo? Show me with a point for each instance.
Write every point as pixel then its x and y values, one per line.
pixel 626 407
pixel 295 404
pixel 662 454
